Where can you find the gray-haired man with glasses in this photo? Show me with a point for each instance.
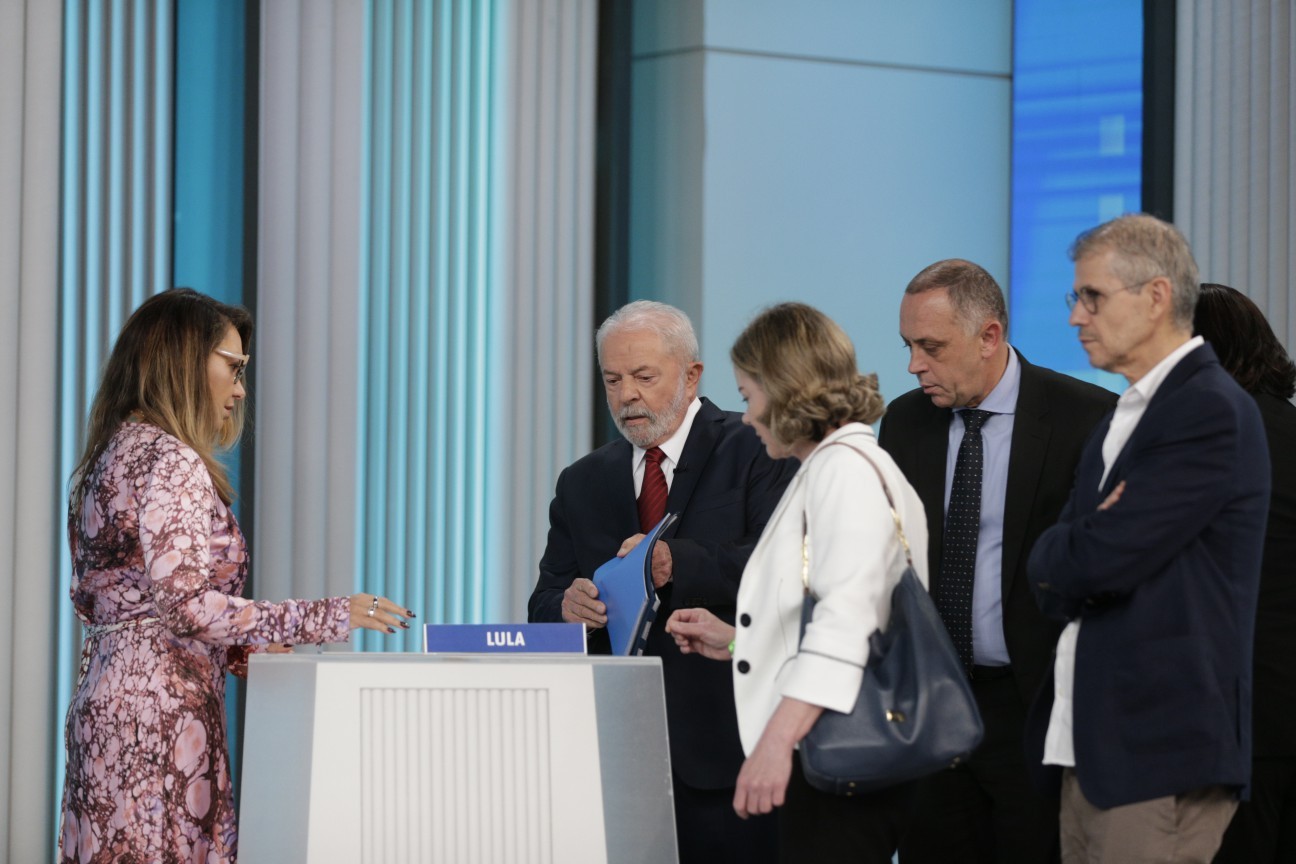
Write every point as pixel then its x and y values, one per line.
pixel 1145 724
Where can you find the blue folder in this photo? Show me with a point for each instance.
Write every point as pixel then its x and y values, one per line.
pixel 625 586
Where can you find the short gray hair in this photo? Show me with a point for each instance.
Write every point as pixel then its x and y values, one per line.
pixel 672 325
pixel 1146 247
pixel 973 292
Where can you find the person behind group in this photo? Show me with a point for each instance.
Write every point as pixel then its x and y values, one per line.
pixel 988 494
pixel 158 564
pixel 806 399
pixel 1263 830
pixel 1154 564
pixel 679 454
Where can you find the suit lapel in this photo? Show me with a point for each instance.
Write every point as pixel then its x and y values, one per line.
pixel 693 458
pixel 1089 471
pixel 1026 455
pixel 619 495
pixel 933 451
pixel 1187 366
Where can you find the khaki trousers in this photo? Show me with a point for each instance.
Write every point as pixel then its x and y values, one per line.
pixel 1177 829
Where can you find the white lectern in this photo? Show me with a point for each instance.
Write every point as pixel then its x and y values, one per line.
pixel 457 759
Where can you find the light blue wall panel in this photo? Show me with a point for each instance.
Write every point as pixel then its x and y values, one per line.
pixel 835 184
pixel 969 35
pixel 823 151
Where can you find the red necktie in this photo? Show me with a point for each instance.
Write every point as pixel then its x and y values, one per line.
pixel 652 497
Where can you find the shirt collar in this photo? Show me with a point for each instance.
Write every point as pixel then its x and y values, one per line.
pixel 1145 388
pixel 1003 398
pixel 673 446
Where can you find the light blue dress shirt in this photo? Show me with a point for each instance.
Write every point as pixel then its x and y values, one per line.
pixel 988 645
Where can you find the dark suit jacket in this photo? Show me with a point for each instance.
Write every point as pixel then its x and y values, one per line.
pixel 1165 585
pixel 1275 639
pixel 1054 416
pixel 724 489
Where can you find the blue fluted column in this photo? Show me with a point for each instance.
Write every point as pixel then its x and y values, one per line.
pixel 425 295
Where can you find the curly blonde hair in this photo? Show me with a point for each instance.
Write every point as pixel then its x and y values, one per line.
pixel 805 363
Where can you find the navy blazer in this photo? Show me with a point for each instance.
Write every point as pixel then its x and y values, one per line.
pixel 724 490
pixel 1054 415
pixel 1165 585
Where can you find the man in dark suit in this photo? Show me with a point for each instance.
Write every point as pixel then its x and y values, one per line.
pixel 1155 565
pixel 683 455
pixel 987 498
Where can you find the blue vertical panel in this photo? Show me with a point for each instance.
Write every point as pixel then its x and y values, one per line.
pixel 1077 155
pixel 425 356
pixel 442 144
pixel 115 247
pixel 71 397
pixel 482 596
pixel 209 121
pixel 207 213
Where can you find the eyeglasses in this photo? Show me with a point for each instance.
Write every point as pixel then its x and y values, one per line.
pixel 242 359
pixel 1089 297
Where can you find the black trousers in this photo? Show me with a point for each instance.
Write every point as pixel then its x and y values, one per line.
pixel 708 831
pixel 985 811
pixel 817 826
pixel 1263 830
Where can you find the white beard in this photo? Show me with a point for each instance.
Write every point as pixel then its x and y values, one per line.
pixel 659 426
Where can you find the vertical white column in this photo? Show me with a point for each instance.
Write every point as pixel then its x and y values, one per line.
pixel 546 326
pixel 1235 161
pixel 30 532
pixel 85 173
pixel 310 224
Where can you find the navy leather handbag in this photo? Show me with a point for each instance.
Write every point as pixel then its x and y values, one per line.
pixel 915 714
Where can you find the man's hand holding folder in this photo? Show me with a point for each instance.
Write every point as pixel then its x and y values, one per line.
pixel 628 586
pixel 663 566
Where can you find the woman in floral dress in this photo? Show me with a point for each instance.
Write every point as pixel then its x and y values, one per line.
pixel 158 567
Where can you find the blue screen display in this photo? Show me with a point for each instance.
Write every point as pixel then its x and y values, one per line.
pixel 1076 157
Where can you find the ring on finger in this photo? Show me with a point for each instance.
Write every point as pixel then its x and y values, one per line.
pixel 373 607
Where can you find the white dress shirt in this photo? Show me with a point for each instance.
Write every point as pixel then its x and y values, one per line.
pixel 989 647
pixel 672 448
pixel 1059 741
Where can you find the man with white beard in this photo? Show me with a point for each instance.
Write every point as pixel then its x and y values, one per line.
pixel 680 454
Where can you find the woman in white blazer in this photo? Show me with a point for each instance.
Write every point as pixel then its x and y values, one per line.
pixel 806 399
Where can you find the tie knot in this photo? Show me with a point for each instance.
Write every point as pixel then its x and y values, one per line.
pixel 974 419
pixel 654 455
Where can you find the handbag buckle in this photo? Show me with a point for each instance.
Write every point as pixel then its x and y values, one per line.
pixel 895 716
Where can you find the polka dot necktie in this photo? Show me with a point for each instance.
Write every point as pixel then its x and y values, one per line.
pixel 962 523
pixel 652 496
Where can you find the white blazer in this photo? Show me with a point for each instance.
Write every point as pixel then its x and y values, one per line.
pixel 855 562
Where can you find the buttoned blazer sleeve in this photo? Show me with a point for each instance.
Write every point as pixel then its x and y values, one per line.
pixel 1179 473
pixel 559 566
pixel 855 562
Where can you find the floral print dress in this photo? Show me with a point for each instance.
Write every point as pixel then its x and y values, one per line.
pixel 158 566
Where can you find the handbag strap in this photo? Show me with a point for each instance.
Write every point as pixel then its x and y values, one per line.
pixel 895 517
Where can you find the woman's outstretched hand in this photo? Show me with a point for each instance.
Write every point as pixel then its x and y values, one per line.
pixel 378 613
pixel 697 631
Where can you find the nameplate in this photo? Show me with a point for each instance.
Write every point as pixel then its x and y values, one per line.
pixel 504 638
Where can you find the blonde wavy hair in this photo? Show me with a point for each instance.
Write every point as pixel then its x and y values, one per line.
pixel 157 371
pixel 805 363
